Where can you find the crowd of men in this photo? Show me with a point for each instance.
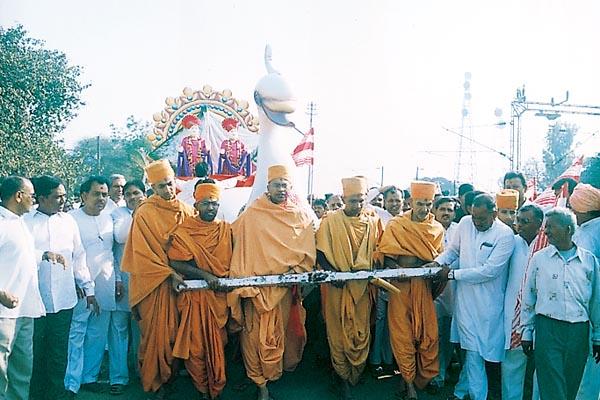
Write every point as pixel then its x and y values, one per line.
pixel 517 287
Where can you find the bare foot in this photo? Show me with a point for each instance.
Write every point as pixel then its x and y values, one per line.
pixel 411 392
pixel 263 392
pixel 345 392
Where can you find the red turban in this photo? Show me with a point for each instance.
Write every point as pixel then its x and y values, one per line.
pixel 190 120
pixel 229 123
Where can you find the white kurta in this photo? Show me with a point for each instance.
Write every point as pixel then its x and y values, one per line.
pixel 18 269
pixel 59 234
pixel 481 277
pixel 444 303
pixel 516 275
pixel 97 238
pixel 122 218
pixel 587 236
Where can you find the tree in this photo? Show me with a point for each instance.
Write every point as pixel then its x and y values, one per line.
pixel 119 152
pixel 40 93
pixel 558 154
pixel 591 171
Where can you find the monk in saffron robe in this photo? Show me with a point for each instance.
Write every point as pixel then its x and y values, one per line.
pixel 200 248
pixel 409 241
pixel 273 236
pixel 151 295
pixel 346 240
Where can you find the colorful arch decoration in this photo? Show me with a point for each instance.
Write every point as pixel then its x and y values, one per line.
pixel 168 121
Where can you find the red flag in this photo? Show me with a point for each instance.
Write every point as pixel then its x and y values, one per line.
pixel 303 153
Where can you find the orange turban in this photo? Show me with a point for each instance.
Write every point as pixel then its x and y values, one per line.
pixel 158 170
pixel 423 190
pixel 207 190
pixel 278 171
pixel 507 199
pixel 354 185
pixel 585 198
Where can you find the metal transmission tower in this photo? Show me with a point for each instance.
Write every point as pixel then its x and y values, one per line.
pixel 550 111
pixel 465 147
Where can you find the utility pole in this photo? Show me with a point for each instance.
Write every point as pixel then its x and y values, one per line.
pixel 381 185
pixel 311 110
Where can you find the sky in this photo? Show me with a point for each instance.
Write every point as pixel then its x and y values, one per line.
pixel 387 76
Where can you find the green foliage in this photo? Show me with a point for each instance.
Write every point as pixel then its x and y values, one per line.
pixel 119 152
pixel 558 154
pixel 39 94
pixel 591 171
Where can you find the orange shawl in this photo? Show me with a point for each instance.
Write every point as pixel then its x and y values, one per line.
pixel 404 237
pixel 145 254
pixel 270 239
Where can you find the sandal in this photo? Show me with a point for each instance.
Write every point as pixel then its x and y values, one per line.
pixel 117 389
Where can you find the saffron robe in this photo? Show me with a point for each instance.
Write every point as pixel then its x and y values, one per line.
pixel 269 239
pixel 411 313
pixel 150 292
pixel 201 336
pixel 348 243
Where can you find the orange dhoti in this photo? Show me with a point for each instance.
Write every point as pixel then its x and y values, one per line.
pixel 411 313
pixel 201 338
pixel 158 325
pixel 270 239
pixel 263 339
pixel 150 292
pixel 348 244
pixel 348 330
pixel 414 331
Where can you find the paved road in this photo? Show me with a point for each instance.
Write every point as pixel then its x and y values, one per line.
pixel 311 380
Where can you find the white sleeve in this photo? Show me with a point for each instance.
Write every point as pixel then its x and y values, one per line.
pixel 529 300
pixel 83 278
pixel 493 266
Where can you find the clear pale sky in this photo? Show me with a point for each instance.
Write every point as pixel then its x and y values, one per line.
pixel 386 75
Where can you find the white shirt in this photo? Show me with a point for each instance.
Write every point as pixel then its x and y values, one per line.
pixel 59 234
pixel 18 269
pixel 444 303
pixel 111 205
pixel 516 275
pixel 97 238
pixel 480 276
pixel 565 290
pixel 588 236
pixel 122 218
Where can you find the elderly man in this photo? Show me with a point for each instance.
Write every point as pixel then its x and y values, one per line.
pixel 346 241
pixel 560 302
pixel 444 210
pixel 115 192
pixel 507 202
pixel 273 236
pixel 20 300
pixel 527 242
pixel 335 202
pixel 483 246
pixel 410 241
pixel 121 323
pixel 200 248
pixel 62 272
pixel 151 279
pixel 585 203
pixel 89 325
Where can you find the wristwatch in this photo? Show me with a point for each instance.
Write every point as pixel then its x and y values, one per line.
pixel 451 274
